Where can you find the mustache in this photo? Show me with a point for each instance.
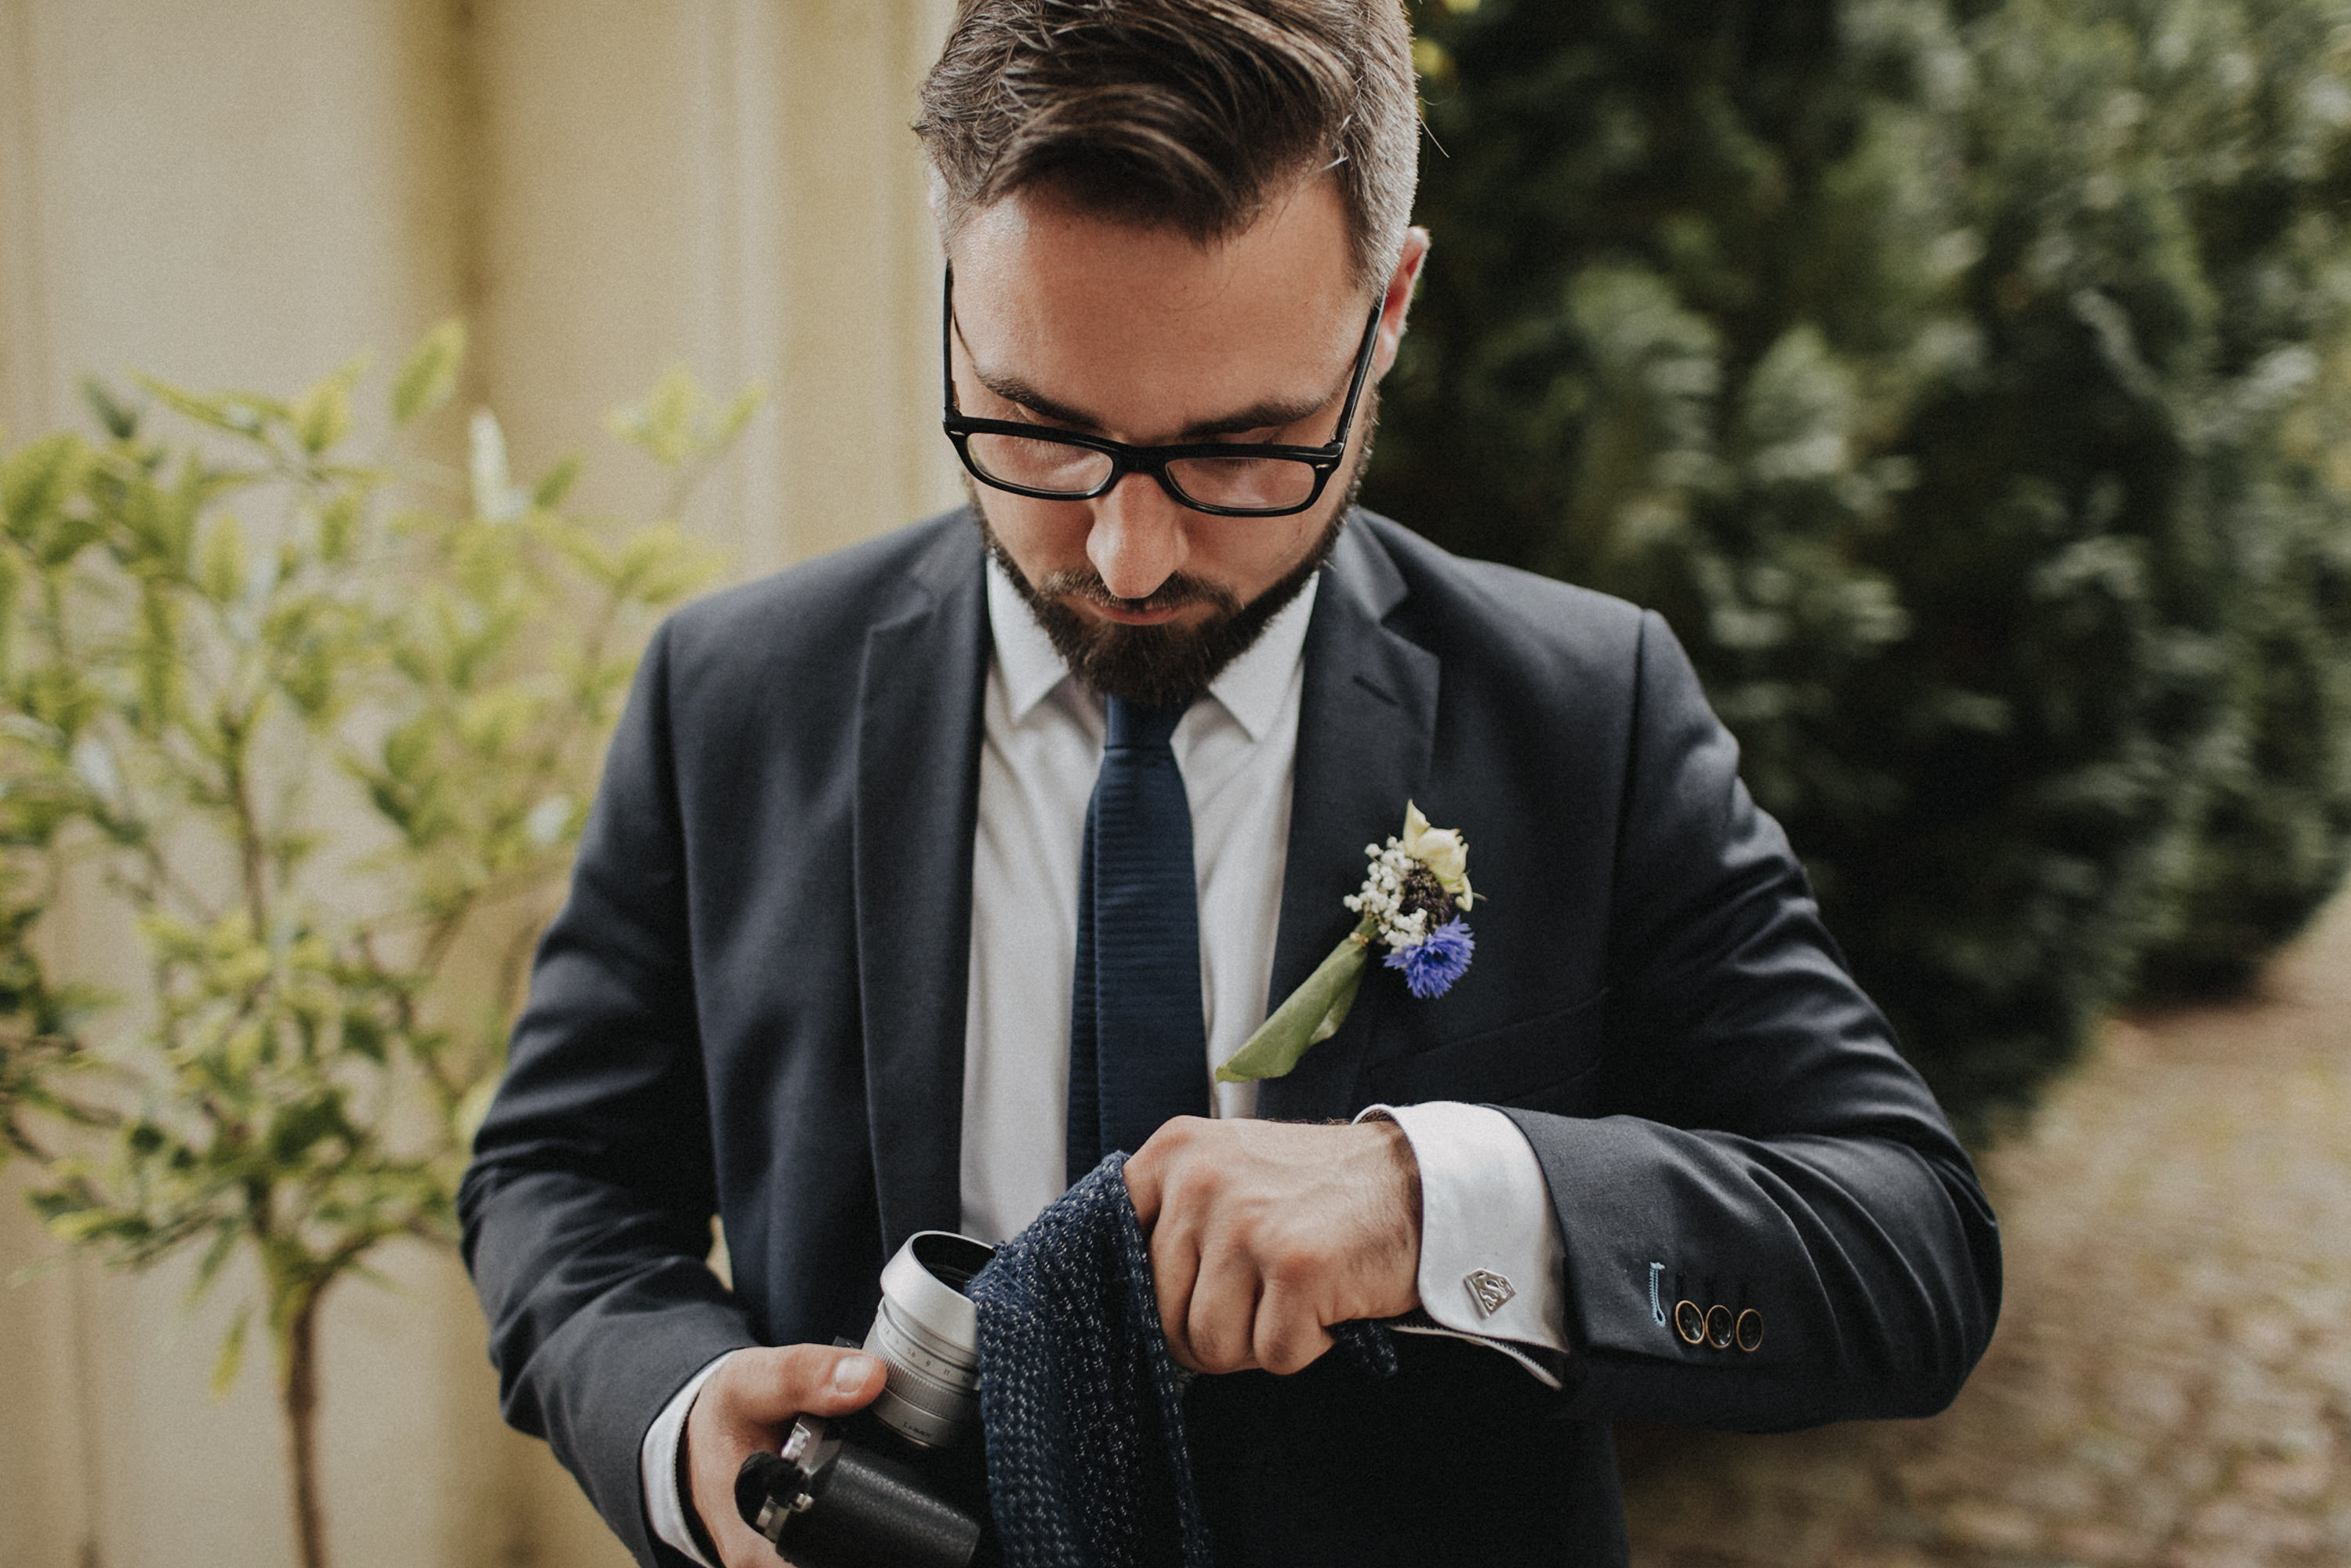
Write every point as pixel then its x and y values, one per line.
pixel 1085 584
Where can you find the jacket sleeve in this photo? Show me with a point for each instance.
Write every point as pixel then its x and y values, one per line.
pixel 1777 1159
pixel 586 1210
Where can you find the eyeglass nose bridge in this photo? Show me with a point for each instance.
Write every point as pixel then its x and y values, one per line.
pixel 1122 464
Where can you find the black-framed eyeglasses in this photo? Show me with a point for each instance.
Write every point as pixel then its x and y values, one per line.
pixel 1227 478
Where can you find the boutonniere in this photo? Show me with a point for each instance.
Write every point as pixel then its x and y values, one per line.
pixel 1411 903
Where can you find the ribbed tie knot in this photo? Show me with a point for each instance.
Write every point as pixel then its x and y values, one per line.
pixel 1142 728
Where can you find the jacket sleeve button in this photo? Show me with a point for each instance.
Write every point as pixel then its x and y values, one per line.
pixel 1689 1322
pixel 1750 1330
pixel 1718 1327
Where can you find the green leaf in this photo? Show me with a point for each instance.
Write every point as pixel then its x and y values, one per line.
pixel 323 415
pixel 407 748
pixel 662 422
pixel 215 1258
pixel 737 414
pixel 556 485
pixel 364 1035
pixel 239 413
pixel 430 376
pixel 301 1126
pixel 231 1359
pixel 37 480
pixel 678 423
pixel 222 574
pixel 1312 1014
pixel 117 418
pixel 339 526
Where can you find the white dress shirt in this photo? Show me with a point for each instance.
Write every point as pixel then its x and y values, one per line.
pixel 1486 1213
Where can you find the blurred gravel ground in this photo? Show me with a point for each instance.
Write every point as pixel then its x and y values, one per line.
pixel 2170 1384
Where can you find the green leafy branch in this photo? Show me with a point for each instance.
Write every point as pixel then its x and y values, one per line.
pixel 326 743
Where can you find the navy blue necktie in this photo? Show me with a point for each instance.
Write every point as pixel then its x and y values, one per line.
pixel 1138 1049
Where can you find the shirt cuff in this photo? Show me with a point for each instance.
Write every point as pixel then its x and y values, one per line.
pixel 665 1510
pixel 1492 1267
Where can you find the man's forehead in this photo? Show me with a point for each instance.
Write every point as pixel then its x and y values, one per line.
pixel 1301 230
pixel 1105 315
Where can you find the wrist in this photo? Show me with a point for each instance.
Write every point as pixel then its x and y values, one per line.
pixel 1401 1221
pixel 703 1544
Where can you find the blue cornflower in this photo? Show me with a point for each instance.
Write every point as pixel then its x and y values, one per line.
pixel 1430 968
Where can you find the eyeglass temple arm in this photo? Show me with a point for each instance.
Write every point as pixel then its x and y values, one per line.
pixel 947 341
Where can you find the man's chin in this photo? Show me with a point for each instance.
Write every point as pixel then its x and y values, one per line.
pixel 1167 665
pixel 1150 666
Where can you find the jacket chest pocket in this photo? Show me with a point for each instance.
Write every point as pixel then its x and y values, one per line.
pixel 1546 1062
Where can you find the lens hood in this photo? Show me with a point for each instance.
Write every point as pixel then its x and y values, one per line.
pixel 926 1333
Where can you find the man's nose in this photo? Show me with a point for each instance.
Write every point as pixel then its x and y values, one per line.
pixel 1140 537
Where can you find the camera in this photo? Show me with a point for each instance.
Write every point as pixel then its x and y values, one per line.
pixel 902 1484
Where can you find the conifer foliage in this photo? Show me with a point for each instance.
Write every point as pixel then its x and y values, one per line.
pixel 1971 387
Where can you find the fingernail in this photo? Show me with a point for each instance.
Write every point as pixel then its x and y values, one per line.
pixel 850 1372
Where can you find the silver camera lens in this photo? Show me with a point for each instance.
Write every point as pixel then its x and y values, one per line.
pixel 927 1333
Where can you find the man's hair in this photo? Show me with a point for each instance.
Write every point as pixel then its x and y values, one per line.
pixel 1183 114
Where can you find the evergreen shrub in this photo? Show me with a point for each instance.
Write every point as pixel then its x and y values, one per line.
pixel 1969 385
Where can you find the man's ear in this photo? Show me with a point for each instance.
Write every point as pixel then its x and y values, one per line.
pixel 1398 303
pixel 934 197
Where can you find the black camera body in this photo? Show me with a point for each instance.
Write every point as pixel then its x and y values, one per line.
pixel 903 1482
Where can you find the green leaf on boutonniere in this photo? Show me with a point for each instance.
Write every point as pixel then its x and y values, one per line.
pixel 1312 1015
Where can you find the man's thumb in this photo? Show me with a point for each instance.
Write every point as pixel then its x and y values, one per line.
pixel 824 1380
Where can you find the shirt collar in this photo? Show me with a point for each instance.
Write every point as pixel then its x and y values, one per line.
pixel 1252 687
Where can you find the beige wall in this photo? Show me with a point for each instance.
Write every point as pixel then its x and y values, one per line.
pixel 247 191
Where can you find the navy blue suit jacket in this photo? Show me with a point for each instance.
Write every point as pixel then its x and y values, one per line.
pixel 752 1005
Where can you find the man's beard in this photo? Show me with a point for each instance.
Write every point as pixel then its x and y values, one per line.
pixel 1164 667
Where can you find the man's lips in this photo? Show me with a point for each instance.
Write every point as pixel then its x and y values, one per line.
pixel 1126 617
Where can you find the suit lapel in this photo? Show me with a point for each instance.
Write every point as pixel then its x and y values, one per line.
pixel 1365 726
pixel 917 801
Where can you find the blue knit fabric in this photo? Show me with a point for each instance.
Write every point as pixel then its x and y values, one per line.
pixel 1088 1464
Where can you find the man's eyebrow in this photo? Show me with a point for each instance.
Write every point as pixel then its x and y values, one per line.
pixel 1264 414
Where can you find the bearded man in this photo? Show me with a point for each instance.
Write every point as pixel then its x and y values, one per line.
pixel 853 948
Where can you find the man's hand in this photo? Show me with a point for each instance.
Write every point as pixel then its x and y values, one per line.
pixel 1263 1234
pixel 750 1403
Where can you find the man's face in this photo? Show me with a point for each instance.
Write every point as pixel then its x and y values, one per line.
pixel 1145 337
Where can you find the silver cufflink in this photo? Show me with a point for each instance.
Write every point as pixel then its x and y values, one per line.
pixel 1489 1290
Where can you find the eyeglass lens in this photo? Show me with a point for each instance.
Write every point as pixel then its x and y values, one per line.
pixel 1060 469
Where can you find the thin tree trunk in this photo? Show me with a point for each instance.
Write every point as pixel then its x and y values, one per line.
pixel 300 1395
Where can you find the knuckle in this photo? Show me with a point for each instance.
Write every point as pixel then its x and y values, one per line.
pixel 1288 1338
pixel 1215 1346
pixel 1290 1266
pixel 1175 1134
pixel 1190 1192
pixel 1293 1352
pixel 1221 1360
